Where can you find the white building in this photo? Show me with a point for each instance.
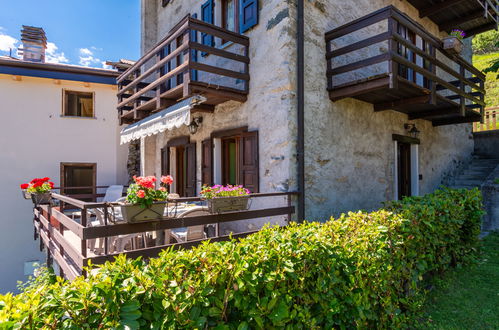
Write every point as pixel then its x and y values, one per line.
pixel 58 121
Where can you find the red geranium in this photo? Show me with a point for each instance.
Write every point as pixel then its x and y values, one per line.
pixel 167 179
pixel 24 186
pixel 38 185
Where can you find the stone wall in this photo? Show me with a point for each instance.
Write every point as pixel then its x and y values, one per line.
pixel 270 106
pixel 487 143
pixel 490 191
pixel 350 155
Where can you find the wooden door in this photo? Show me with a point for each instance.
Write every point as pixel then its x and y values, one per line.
pixel 404 169
pixel 180 170
pixel 248 161
pixel 190 170
pixel 82 177
pixel 207 163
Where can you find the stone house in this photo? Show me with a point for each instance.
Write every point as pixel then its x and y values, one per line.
pixel 353 103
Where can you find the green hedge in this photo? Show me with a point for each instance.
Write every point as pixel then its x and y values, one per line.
pixel 359 271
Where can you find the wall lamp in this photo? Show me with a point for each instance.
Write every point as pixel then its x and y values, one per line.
pixel 194 125
pixel 412 130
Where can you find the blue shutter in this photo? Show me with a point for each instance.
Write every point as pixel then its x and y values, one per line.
pixel 207 16
pixel 168 67
pixel 194 53
pixel 248 14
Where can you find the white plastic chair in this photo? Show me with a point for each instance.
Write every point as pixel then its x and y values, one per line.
pixel 191 233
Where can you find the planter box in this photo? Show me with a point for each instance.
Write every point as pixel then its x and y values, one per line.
pixel 135 213
pixel 228 204
pixel 25 194
pixel 41 198
pixel 453 45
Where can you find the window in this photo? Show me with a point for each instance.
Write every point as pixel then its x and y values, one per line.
pixel 78 104
pixel 229 15
pixel 81 175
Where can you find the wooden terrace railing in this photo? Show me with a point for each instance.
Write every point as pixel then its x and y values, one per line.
pixel 66 239
pixel 388 59
pixel 184 63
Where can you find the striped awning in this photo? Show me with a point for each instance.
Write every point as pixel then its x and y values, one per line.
pixel 172 117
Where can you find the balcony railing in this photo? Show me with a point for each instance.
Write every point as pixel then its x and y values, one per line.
pixel 184 63
pixel 391 61
pixel 490 121
pixel 471 16
pixel 74 240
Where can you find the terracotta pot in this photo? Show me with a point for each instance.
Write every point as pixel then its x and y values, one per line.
pixel 41 198
pixel 136 213
pixel 228 204
pixel 453 45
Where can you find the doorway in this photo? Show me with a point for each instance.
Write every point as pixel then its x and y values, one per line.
pixel 80 178
pixel 404 169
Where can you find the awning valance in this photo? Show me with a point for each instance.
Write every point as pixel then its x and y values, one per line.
pixel 172 117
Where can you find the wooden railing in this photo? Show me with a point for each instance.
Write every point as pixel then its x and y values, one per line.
pixel 169 71
pixel 400 48
pixel 490 121
pixel 66 237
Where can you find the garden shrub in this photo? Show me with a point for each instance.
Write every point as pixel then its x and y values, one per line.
pixel 362 270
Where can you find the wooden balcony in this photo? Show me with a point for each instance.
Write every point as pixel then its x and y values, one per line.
pixel 471 16
pixel 183 64
pixel 72 238
pixel 391 61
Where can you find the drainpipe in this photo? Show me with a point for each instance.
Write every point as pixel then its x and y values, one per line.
pixel 300 97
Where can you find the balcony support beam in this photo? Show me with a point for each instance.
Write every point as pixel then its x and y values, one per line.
pixel 433 9
pixel 393 104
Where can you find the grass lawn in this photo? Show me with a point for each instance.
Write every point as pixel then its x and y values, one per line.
pixel 492 83
pixel 467 298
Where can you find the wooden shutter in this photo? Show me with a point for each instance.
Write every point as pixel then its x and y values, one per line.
pixel 207 163
pixel 248 14
pixel 190 178
pixel 165 162
pixel 207 16
pixel 248 161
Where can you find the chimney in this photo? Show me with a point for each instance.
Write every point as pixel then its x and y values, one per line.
pixel 34 44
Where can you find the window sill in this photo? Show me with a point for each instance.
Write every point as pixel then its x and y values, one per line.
pixel 76 117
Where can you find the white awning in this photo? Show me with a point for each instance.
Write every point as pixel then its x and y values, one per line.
pixel 172 117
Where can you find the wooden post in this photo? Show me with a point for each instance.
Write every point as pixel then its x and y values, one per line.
pixel 433 84
pixel 84 241
pixel 462 99
pixel 136 89
pixel 106 214
pixel 393 67
pixel 186 80
pixel 49 226
pixel 482 98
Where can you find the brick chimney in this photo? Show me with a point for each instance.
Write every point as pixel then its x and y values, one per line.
pixel 34 44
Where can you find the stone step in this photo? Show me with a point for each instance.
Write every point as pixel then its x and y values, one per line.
pixel 464 182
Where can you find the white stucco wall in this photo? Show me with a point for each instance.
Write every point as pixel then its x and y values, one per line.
pixel 34 140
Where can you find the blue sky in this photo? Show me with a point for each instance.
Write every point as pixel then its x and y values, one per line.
pixel 78 32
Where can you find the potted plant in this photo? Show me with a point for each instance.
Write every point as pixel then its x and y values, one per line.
pixel 143 201
pixel 453 43
pixel 226 198
pixel 38 190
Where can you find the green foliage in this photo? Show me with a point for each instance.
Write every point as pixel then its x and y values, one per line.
pixel 486 42
pixel 362 270
pixel 496 181
pixel 482 62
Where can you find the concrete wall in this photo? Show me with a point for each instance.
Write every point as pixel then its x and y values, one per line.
pixel 490 192
pixel 34 139
pixel 487 143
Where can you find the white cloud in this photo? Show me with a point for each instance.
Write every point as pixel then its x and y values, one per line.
pixel 87 57
pixel 53 56
pixel 7 42
pixel 105 66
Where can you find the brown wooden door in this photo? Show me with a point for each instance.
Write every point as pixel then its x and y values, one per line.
pixel 190 170
pixel 207 163
pixel 404 169
pixel 248 161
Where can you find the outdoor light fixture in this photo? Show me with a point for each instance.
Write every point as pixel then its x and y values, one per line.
pixel 412 130
pixel 194 125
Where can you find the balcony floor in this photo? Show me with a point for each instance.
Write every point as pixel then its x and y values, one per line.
pixel 406 97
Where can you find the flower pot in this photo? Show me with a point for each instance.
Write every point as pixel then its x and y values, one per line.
pixel 453 45
pixel 25 194
pixel 136 213
pixel 228 204
pixel 41 198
